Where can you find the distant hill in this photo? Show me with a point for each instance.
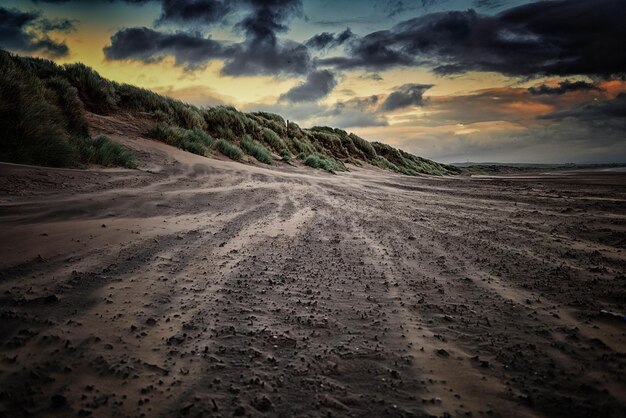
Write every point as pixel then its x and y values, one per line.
pixel 42 122
pixel 470 164
pixel 503 168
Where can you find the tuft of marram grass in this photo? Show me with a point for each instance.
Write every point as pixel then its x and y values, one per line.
pixel 102 151
pixel 229 149
pixel 273 140
pixel 285 156
pixel 197 141
pixel 256 149
pixel 317 161
pixel 193 140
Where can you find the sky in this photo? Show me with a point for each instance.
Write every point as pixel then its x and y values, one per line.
pixel 452 80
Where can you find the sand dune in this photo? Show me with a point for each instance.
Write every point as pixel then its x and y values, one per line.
pixel 201 287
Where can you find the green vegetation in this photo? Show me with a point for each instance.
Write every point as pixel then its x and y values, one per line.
pixel 285 156
pixel 193 140
pixel 102 151
pixel 328 164
pixel 42 121
pixel 256 149
pixel 230 150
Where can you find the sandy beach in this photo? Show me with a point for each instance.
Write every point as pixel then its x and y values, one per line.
pixel 203 287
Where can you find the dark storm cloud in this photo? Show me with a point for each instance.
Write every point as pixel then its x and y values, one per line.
pixel 358 111
pixel 371 76
pixel 260 53
pixel 329 40
pixel 262 57
pixel 93 1
pixel 405 96
pixel 57 25
pixel 148 45
pixel 488 4
pixel 320 41
pixel 195 11
pixel 397 7
pixel 317 85
pixel 366 104
pixel 603 112
pixel 193 51
pixel 542 38
pixel 268 17
pixel 564 87
pixel 21 32
pixel 372 51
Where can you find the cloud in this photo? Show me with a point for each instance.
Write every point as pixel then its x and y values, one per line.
pixel 302 113
pixel 397 7
pixel 371 76
pixel 488 4
pixel 268 18
pixel 374 51
pixel 192 50
pixel 199 95
pixel 264 57
pixel 22 32
pixel 318 85
pixel 349 118
pixel 148 45
pixel 260 53
pixel 57 25
pixel 92 1
pixel 511 125
pixel 563 87
pixel 562 37
pixel 206 12
pixel 356 112
pixel 509 104
pixel 602 112
pixel 329 40
pixel 405 96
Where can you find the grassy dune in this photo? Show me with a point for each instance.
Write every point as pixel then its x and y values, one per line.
pixel 42 122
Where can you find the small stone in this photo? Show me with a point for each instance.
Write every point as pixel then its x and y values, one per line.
pixel 443 353
pixel 58 401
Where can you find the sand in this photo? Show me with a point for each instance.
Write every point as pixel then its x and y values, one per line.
pixel 204 287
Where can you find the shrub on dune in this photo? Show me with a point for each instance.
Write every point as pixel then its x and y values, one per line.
pixel 317 161
pixel 255 149
pixel 97 93
pixel 229 149
pixel 170 134
pixel 272 139
pixel 102 151
pixel 32 127
pixel 193 140
pixel 285 156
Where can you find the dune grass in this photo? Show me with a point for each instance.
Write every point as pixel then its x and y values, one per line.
pixel 102 151
pixel 193 140
pixel 273 140
pixel 256 149
pixel 42 121
pixel 285 156
pixel 317 161
pixel 229 149
pixel 42 114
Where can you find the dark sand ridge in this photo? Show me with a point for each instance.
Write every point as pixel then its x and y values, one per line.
pixel 202 287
